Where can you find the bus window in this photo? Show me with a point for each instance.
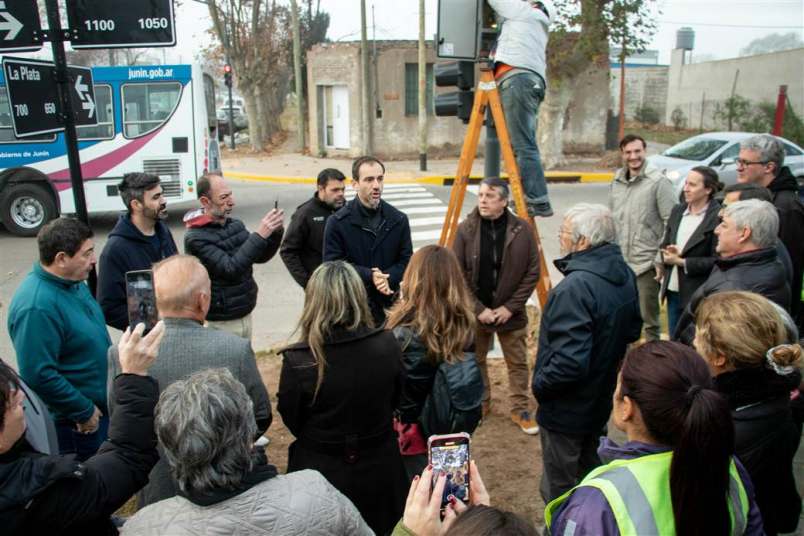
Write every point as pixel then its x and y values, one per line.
pixel 209 95
pixel 7 129
pixel 104 130
pixel 147 106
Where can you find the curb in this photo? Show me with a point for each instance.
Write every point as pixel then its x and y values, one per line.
pixel 433 180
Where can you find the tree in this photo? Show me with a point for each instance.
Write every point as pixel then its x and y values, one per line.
pixel 773 43
pixel 582 32
pixel 256 37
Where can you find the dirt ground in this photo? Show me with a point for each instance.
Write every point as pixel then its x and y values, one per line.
pixel 510 461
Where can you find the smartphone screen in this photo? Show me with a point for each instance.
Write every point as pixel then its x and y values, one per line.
pixel 141 299
pixel 450 455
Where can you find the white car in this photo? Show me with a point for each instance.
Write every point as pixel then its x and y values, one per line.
pixel 718 150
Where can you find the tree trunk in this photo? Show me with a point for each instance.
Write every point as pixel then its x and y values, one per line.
pixel 254 124
pixel 551 122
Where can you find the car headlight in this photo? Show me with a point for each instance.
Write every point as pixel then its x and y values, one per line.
pixel 673 175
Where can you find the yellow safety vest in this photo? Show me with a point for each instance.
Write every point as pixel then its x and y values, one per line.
pixel 638 493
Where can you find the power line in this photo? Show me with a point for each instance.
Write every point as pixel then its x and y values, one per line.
pixel 758 26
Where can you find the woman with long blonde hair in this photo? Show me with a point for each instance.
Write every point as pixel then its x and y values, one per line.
pixel 434 322
pixel 338 389
pixel 744 340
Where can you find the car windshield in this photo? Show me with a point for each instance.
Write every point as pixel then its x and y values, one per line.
pixel 697 148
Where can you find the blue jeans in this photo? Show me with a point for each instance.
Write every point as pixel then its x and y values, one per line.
pixel 84 446
pixel 521 95
pixel 673 311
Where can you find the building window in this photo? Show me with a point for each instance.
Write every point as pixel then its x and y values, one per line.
pixel 412 89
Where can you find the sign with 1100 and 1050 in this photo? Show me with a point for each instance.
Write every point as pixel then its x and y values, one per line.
pixel 121 23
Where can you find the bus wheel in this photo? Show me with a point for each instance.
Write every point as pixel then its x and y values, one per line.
pixel 25 208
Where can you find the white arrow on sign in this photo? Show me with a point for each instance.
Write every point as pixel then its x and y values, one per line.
pixel 10 24
pixel 86 97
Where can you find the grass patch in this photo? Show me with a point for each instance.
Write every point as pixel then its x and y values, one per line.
pixel 660 133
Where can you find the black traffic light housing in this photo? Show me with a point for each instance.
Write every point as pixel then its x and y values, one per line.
pixel 227 75
pixel 460 74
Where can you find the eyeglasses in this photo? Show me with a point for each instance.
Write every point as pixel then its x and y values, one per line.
pixel 744 163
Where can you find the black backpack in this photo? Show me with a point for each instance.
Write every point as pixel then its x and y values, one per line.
pixel 454 403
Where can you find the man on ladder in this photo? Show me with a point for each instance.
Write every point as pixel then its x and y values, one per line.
pixel 520 71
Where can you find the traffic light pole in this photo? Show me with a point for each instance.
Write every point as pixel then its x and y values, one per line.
pixel 491 165
pixel 57 38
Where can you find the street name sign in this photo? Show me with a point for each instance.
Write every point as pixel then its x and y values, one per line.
pixel 121 23
pixel 20 28
pixel 34 97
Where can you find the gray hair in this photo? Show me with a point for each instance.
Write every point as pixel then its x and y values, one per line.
pixel 592 221
pixel 205 424
pixel 759 216
pixel 770 149
pixel 499 185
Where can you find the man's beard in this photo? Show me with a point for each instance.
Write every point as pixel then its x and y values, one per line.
pixel 156 215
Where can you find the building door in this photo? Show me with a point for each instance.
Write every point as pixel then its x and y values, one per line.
pixel 336 117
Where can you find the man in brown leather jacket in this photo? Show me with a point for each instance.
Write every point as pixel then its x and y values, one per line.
pixel 499 257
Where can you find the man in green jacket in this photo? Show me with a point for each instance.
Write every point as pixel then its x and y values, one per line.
pixel 60 336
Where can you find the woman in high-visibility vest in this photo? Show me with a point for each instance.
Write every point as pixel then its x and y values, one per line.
pixel 743 339
pixel 676 474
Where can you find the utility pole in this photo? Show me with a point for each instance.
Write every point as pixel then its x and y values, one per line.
pixel 365 93
pixel 621 125
pixel 297 72
pixel 422 92
pixel 227 38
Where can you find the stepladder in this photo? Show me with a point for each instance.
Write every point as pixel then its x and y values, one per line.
pixel 487 96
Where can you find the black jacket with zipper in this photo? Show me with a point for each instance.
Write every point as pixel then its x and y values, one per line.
pixel 784 189
pixel 302 249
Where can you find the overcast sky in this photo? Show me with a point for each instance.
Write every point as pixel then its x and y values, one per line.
pixel 721 27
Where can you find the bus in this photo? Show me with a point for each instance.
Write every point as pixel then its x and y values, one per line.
pixel 152 119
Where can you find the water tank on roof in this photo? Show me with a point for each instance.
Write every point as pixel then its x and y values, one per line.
pixel 685 38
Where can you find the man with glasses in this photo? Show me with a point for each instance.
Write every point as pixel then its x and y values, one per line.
pixel 761 161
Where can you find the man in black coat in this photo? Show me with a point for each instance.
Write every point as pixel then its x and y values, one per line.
pixel 761 161
pixel 302 249
pixel 747 261
pixel 228 251
pixel 139 240
pixel 56 494
pixel 590 318
pixel 371 235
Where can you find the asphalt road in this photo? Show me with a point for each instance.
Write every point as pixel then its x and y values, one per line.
pixel 280 300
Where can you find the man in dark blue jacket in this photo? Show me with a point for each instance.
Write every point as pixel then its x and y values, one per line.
pixel 139 240
pixel 590 318
pixel 371 235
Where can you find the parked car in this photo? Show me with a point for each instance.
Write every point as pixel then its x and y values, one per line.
pixel 718 150
pixel 239 119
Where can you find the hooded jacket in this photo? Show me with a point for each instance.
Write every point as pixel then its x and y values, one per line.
pixel 784 190
pixel 587 511
pixel 590 318
pixel 758 271
pixel 127 249
pixel 228 251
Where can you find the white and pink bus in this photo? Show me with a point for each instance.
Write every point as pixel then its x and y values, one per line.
pixel 152 119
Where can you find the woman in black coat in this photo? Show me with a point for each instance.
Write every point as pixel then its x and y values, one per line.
pixel 688 248
pixel 337 393
pixel 43 494
pixel 742 337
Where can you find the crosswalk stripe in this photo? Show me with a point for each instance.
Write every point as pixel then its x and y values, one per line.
pixel 417 202
pixel 431 234
pixel 425 210
pixel 421 222
pixel 413 195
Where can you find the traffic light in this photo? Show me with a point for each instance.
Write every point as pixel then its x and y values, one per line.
pixel 460 74
pixel 227 75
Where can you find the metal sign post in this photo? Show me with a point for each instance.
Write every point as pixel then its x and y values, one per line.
pixel 20 29
pixel 121 23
